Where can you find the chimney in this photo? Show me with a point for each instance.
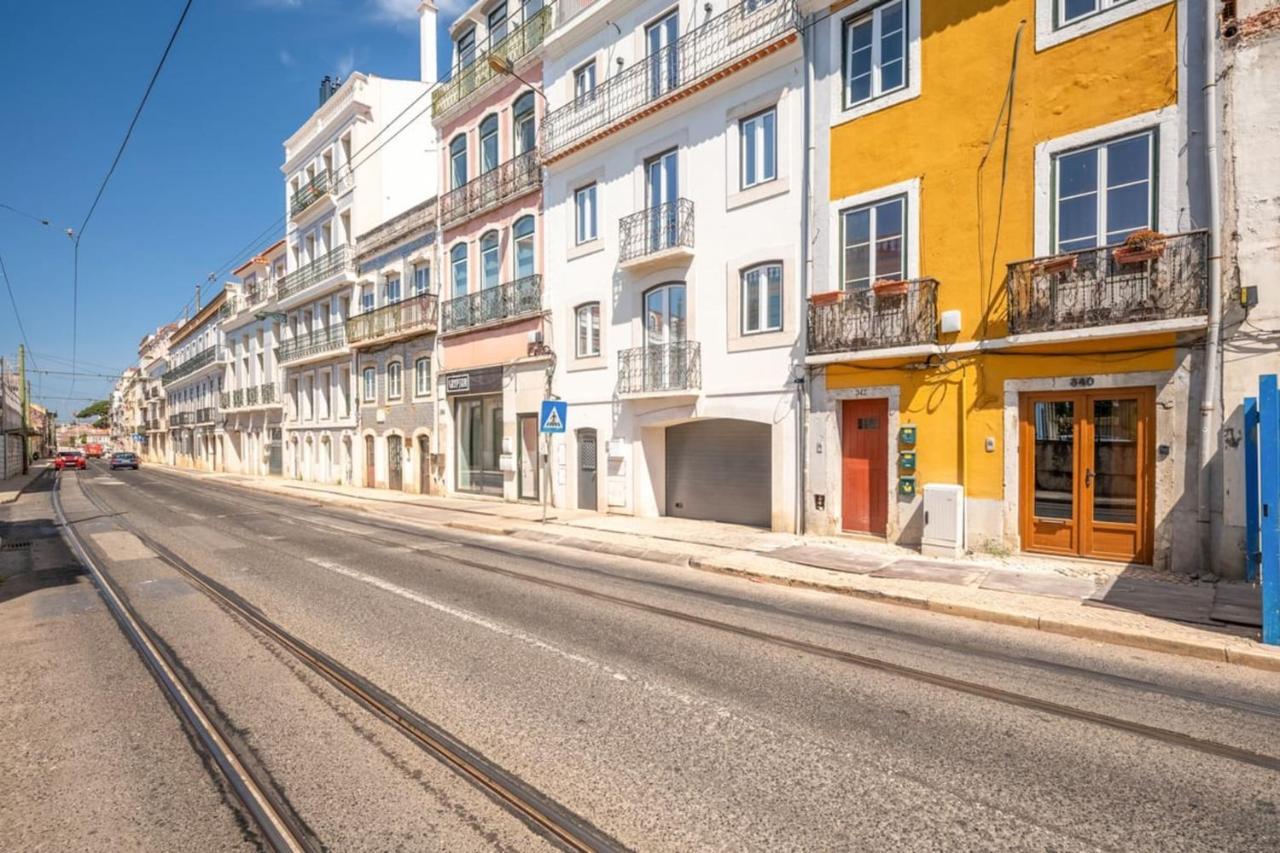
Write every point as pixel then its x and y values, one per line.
pixel 326 89
pixel 427 40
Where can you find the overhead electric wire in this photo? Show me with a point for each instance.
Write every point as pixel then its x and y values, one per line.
pixel 31 216
pixel 17 315
pixel 79 234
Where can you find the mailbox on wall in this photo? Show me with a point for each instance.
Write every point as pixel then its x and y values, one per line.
pixel 907 460
pixel 907 435
pixel 906 487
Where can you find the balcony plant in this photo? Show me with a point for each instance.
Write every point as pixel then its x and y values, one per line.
pixel 1056 264
pixel 1140 246
pixel 828 297
pixel 883 287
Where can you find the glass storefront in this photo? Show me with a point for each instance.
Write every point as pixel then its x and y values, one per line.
pixel 479 421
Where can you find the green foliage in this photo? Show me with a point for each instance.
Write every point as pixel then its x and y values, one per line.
pixel 100 410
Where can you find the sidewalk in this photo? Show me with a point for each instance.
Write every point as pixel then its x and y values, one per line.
pixel 1122 605
pixel 11 487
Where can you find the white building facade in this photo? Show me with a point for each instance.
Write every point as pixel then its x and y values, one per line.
pixel 192 387
pixel 673 192
pixel 362 157
pixel 251 431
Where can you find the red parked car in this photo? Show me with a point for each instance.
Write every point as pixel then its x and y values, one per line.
pixel 73 459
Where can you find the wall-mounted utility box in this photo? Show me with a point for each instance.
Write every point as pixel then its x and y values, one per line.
pixel 907 460
pixel 943 520
pixel 906 487
pixel 907 435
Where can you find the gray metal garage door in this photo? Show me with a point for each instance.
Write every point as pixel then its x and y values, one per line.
pixel 719 470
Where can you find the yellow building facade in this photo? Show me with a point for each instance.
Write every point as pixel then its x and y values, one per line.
pixel 987 338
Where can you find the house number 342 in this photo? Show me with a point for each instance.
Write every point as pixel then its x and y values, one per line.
pixel 1082 381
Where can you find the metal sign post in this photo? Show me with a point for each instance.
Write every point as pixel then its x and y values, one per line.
pixel 1269 505
pixel 551 420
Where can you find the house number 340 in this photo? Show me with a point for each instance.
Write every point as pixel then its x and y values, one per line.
pixel 1082 381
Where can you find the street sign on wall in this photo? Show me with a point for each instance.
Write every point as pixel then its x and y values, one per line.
pixel 553 416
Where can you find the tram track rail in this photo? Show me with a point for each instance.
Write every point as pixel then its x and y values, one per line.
pixel 540 813
pixel 940 680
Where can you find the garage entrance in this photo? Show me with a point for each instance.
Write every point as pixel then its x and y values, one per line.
pixel 720 470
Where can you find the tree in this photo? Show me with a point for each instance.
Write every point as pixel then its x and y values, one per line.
pixel 100 411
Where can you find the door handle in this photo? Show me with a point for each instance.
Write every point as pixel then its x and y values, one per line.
pixel 1088 478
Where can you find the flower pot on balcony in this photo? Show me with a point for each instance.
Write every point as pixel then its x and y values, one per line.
pixel 889 287
pixel 1056 264
pixel 830 297
pixel 1140 246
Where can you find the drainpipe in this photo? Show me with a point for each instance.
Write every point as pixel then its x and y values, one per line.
pixel 806 191
pixel 1209 393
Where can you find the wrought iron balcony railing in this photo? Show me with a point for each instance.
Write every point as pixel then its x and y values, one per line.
pixel 865 320
pixel 224 399
pixel 660 368
pixel 206 415
pixel 1091 288
pixel 518 41
pixel 237 398
pixel 201 359
pixel 329 264
pixel 495 187
pixel 415 314
pixel 251 395
pixel 683 67
pixel 309 193
pixel 315 343
pixel 267 393
pixel 657 229
pixel 178 419
pixel 493 304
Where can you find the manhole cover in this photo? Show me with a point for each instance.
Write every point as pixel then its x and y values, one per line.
pixel 13 546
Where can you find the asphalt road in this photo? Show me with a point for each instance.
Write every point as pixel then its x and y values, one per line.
pixel 671 709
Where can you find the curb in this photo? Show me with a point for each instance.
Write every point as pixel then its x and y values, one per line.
pixel 8 499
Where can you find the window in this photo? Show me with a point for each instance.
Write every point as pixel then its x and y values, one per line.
pixel 762 299
pixel 584 205
pixel 488 144
pixel 370 378
pixel 391 290
pixel 458 161
pixel 395 382
pixel 584 82
pixel 464 49
pixel 458 269
pixel 1103 193
pixel 366 300
pixel 875 53
pixel 497 24
pixel 522 231
pixel 588 325
pixel 872 243
pixel 1074 10
pixel 759 148
pixel 422 377
pixel 421 279
pixel 490 266
pixel 522 121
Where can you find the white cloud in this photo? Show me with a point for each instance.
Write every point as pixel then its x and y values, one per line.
pixel 396 11
pixel 286 58
pixel 279 4
pixel 346 64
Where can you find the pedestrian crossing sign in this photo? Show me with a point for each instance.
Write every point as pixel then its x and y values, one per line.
pixel 553 416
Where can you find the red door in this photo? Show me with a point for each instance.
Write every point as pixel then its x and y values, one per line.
pixel 865 452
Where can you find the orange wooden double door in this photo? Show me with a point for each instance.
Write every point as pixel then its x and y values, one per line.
pixel 1086 472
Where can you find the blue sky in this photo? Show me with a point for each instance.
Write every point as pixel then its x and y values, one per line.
pixel 201 176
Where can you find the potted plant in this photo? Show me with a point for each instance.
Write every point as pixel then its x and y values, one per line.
pixel 1058 263
pixel 828 297
pixel 889 287
pixel 1140 246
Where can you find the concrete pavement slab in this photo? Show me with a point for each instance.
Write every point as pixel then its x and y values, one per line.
pixel 1038 583
pixel 927 570
pixel 835 559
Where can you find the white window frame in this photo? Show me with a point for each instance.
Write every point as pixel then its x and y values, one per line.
pixel 587 69
pixel 369 385
pixel 1101 190
pixel 835 253
pixel 395 380
pixel 387 282
pixel 842 112
pixel 1051 30
pixel 421 278
pixel 422 378
pixel 579 195
pixel 583 311
pixel 753 127
pixel 875 16
pixel 763 300
pixel 873 274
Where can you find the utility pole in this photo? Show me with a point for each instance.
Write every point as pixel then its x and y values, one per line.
pixel 22 404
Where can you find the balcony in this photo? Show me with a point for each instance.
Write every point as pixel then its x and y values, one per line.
pixel 250 395
pixel 180 419
pixel 493 305
pixel 512 179
pixel 660 370
pixel 1091 288
pixel 656 235
pixel 201 359
pixel 700 57
pixel 207 415
pixel 862 320
pixel 317 343
pixel 267 393
pixel 309 193
pixel 465 81
pixel 333 263
pixel 415 315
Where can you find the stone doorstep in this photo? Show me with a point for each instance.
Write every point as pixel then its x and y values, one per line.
pixel 1232 650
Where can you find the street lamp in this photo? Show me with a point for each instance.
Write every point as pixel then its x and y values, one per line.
pixel 502 65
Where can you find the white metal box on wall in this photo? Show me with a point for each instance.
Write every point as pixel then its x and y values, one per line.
pixel 943 520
